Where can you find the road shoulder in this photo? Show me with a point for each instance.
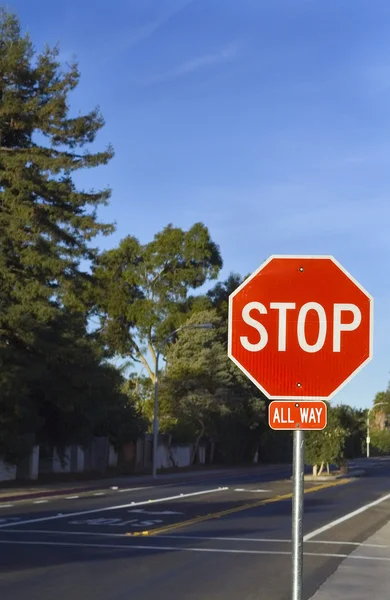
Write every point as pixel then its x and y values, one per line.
pixel 364 574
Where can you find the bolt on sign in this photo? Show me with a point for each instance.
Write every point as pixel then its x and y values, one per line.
pixel 300 327
pixel 291 415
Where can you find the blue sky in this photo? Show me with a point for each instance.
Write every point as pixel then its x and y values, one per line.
pixel 268 120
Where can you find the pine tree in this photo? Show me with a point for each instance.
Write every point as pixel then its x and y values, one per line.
pixel 46 223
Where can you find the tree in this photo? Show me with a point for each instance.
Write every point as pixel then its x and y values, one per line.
pixel 327 446
pixel 46 228
pixel 219 294
pixel 380 442
pixel 143 289
pixel 204 395
pixel 123 419
pixel 352 420
pixel 379 423
pixel 379 416
pixel 63 391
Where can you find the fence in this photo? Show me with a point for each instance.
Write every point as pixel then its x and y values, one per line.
pixel 99 457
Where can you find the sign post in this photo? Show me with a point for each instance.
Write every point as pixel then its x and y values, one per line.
pixel 297 513
pixel 300 327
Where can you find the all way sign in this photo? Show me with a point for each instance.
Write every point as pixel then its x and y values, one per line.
pixel 303 415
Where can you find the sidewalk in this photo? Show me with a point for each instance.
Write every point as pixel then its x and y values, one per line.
pixel 36 491
pixel 365 574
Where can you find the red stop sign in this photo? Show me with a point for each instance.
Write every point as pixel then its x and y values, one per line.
pixel 300 327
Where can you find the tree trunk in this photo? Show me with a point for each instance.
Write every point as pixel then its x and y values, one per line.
pixel 170 452
pixel 328 468
pixel 196 445
pixel 321 468
pixel 315 470
pixel 212 452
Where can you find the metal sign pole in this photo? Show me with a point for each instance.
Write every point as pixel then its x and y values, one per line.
pixel 297 513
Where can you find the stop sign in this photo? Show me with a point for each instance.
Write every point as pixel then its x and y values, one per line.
pixel 300 327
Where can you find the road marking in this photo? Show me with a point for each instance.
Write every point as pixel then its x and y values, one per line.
pixel 105 522
pixel 155 512
pixel 137 489
pixel 117 522
pixel 6 519
pixel 40 501
pixel 99 494
pixel 230 511
pixel 180 482
pixel 346 517
pixel 118 507
pixel 196 537
pixel 251 491
pixel 132 547
pixel 66 533
pixel 72 497
pixel 264 540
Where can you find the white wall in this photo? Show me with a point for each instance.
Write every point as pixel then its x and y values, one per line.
pixel 80 460
pixel 34 463
pixel 112 457
pixel 180 454
pixel 57 465
pixel 162 458
pixel 202 454
pixel 7 472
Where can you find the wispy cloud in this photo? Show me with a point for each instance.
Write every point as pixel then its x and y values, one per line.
pixel 146 31
pixel 223 55
pixel 142 33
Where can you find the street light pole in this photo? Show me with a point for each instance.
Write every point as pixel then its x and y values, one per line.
pixel 156 384
pixel 368 426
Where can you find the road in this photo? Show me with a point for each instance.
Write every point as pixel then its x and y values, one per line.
pixel 226 538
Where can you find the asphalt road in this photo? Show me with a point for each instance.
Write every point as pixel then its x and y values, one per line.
pixel 227 538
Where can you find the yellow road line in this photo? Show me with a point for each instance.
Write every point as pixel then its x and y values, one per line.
pixel 236 509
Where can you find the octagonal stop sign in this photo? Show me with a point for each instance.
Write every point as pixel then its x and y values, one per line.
pixel 300 327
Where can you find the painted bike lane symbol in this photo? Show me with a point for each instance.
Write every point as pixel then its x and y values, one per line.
pixel 137 522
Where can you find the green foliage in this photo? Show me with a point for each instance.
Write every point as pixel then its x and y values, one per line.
pixel 143 289
pixel 327 446
pixel 54 382
pixel 379 424
pixel 383 398
pixel 353 421
pixel 219 294
pixel 275 446
pixel 204 395
pixel 343 438
pixel 123 420
pixel 380 442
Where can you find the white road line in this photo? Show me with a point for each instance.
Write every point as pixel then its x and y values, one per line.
pixel 119 507
pixel 137 489
pixel 72 497
pixel 131 548
pixel 6 505
pixel 251 491
pixel 40 501
pixel 200 537
pixel 346 517
pixel 261 540
pixel 99 494
pixel 67 533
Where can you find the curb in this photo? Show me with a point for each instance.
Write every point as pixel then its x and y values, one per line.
pixel 350 474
